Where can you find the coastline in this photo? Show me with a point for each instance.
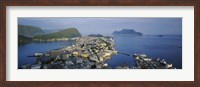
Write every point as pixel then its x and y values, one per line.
pixel 81 57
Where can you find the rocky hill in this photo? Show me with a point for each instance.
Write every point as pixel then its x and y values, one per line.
pixel 127 32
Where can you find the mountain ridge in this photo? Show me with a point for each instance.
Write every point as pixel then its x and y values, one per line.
pixel 29 31
pixel 65 33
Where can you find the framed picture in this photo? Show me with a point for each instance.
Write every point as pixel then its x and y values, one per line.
pixel 99 43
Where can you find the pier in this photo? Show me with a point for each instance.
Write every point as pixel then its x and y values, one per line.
pixel 123 53
pixel 144 62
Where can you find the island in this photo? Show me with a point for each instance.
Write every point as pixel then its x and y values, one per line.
pixel 127 32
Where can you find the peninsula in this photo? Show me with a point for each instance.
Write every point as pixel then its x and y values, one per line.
pixel 87 53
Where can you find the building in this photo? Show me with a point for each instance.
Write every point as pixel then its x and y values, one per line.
pixel 38 54
pixel 85 55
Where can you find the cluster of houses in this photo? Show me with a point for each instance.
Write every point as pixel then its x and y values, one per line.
pixel 54 39
pixel 87 52
pixel 91 52
pixel 96 49
pixel 143 62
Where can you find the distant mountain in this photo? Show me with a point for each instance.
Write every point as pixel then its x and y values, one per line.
pixel 65 33
pixel 29 31
pixel 127 32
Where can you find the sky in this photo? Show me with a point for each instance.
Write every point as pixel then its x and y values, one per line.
pixel 107 25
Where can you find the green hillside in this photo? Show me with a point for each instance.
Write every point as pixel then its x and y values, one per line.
pixel 65 33
pixel 23 40
pixel 29 31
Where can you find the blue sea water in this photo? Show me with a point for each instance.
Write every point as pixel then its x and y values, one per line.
pixel 166 47
pixel 31 48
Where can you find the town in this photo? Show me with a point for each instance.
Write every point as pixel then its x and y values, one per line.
pixel 91 52
pixel 88 52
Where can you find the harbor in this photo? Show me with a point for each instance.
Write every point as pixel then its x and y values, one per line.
pixel 144 62
pixel 91 52
pixel 87 52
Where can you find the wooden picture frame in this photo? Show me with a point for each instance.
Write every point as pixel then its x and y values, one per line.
pixel 4 3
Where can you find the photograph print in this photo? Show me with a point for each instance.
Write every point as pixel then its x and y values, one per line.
pixel 99 43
